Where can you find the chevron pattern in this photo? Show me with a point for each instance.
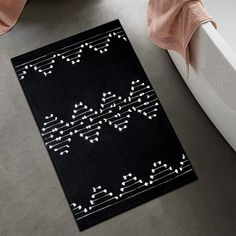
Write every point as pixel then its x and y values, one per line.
pixel 131 186
pixel 70 54
pixel 87 122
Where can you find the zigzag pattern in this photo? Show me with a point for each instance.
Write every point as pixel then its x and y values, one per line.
pixel 70 54
pixel 131 186
pixel 87 122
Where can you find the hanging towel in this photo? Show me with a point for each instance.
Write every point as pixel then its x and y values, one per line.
pixel 10 10
pixel 171 23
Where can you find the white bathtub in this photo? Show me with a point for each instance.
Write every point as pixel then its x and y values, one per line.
pixel 212 73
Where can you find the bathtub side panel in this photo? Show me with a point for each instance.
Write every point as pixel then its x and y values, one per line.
pixel 212 79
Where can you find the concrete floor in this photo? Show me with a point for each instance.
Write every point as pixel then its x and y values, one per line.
pixel 31 199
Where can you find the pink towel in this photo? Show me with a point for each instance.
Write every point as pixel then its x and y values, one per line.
pixel 9 12
pixel 171 23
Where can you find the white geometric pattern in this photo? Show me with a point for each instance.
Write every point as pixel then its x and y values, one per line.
pixel 87 122
pixel 71 54
pixel 131 186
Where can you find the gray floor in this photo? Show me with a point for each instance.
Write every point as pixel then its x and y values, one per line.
pixel 31 199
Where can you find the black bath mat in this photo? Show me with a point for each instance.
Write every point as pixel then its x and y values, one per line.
pixel 105 130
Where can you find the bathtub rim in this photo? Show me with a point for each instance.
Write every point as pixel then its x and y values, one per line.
pixel 219 42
